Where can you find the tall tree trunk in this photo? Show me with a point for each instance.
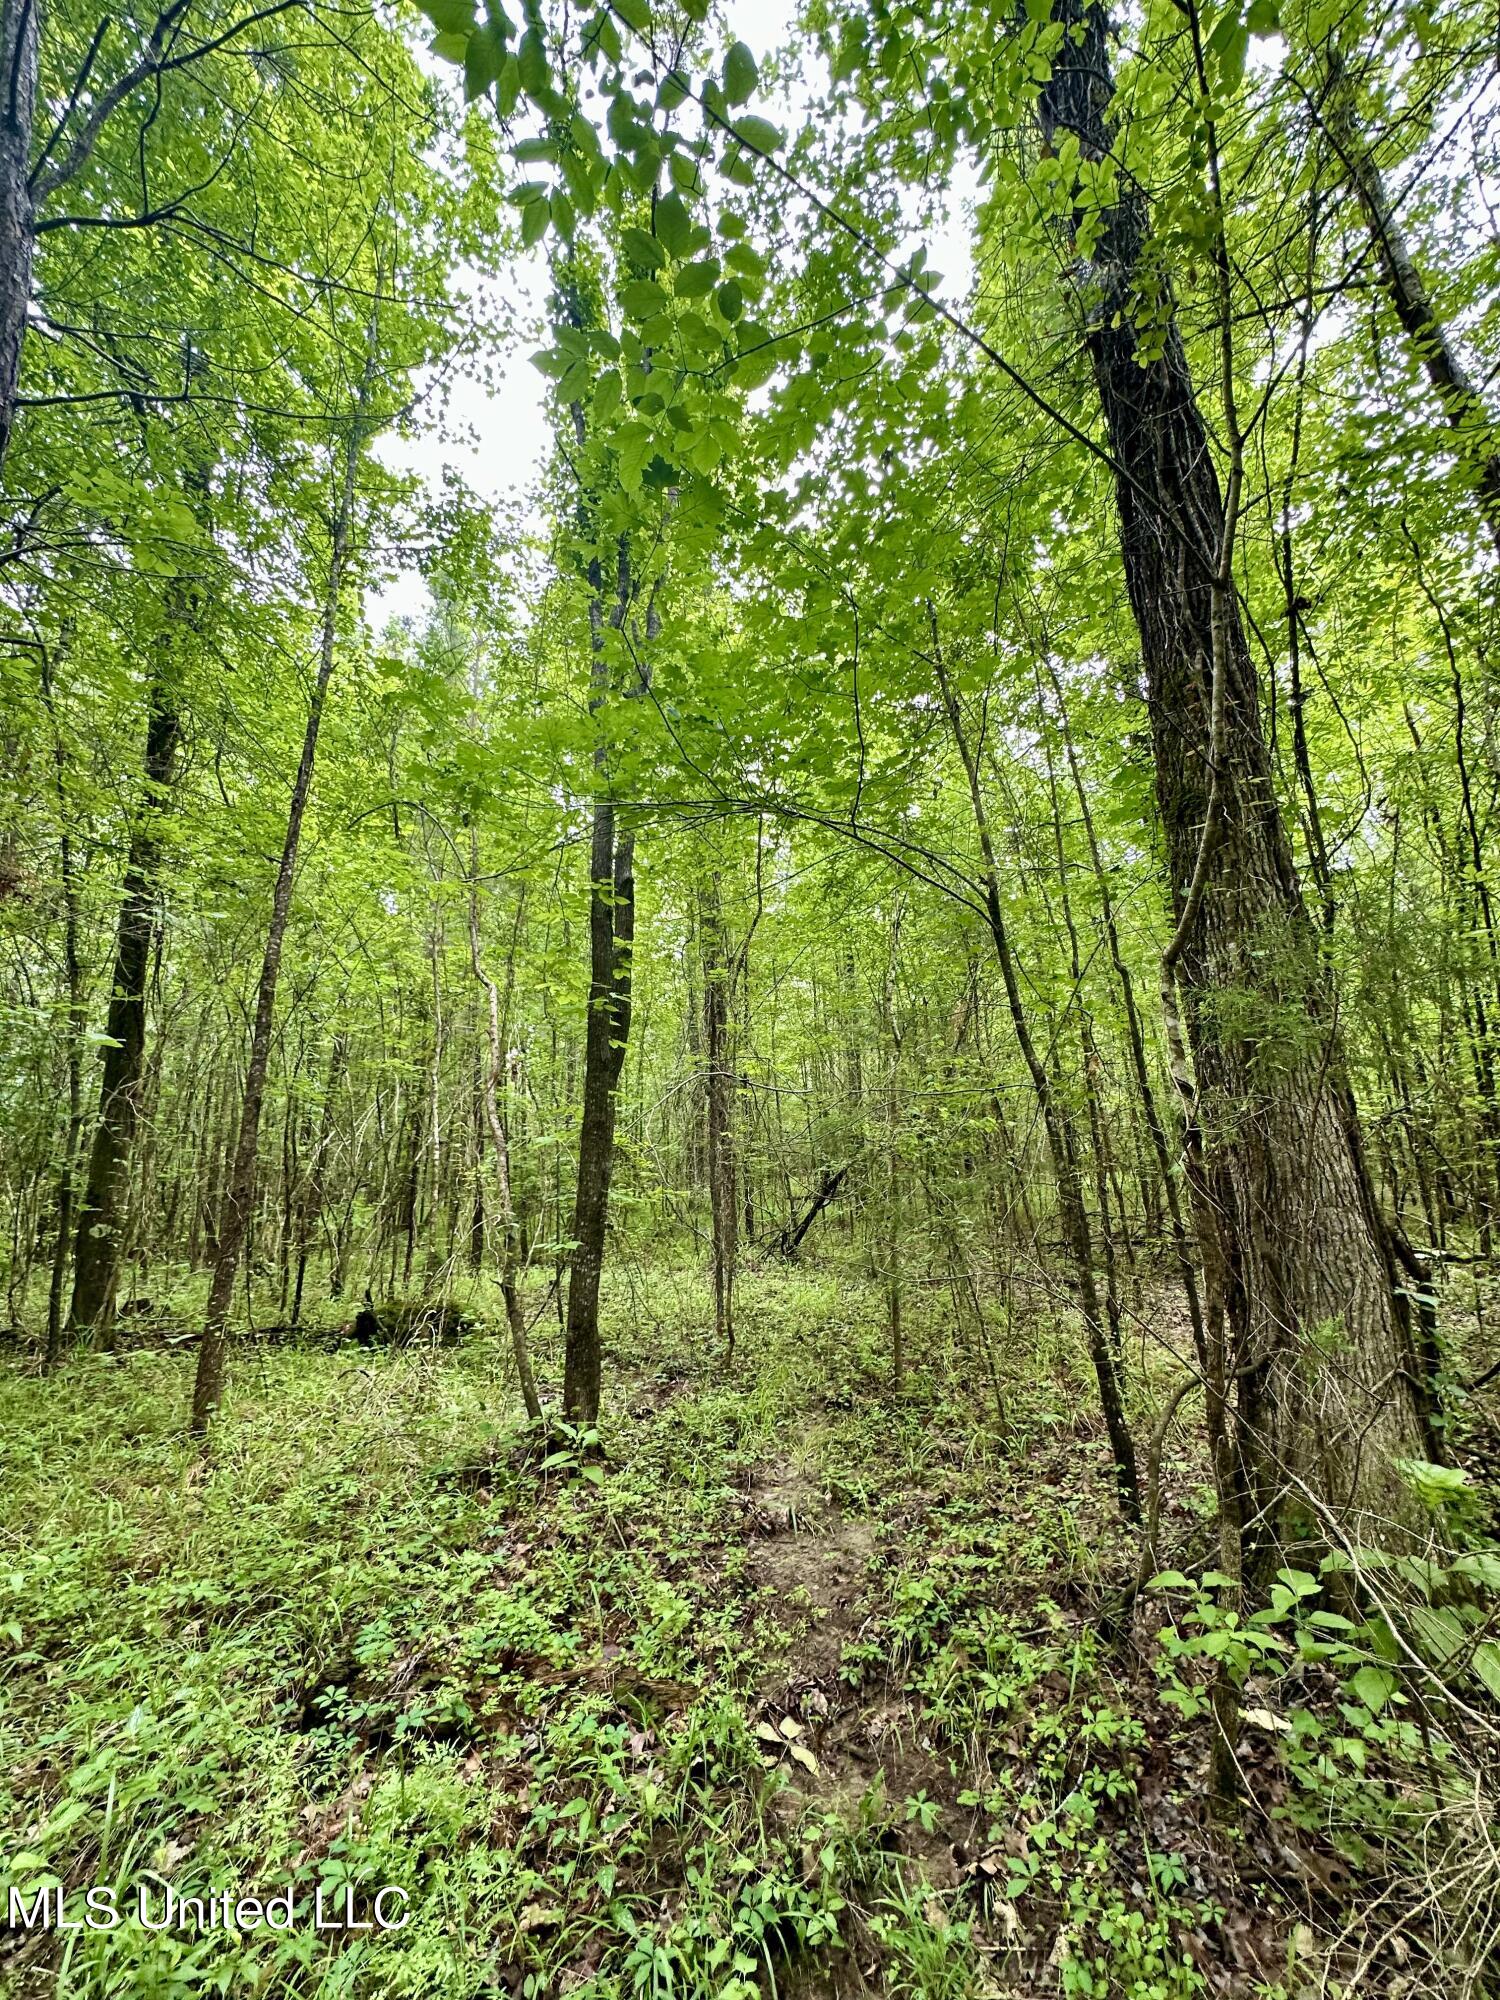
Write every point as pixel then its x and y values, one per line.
pixel 611 936
pixel 239 1194
pixel 20 33
pixel 607 1033
pixel 723 1207
pixel 1317 843
pixel 1319 1346
pixel 510 1247
pixel 1460 401
pixel 434 1136
pixel 96 1252
pixel 314 1195
pixel 1057 1125
pixel 892 1137
pixel 73 968
pixel 1135 1033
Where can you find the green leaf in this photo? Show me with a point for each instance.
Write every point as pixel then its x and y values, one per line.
pixel 759 134
pixel 758 358
pixel 642 297
pixel 642 249
pixel 450 17
pixel 1438 1633
pixel 740 74
pixel 699 339
pixel 731 300
pixel 602 30
pixel 673 223
pixel 532 58
pixel 580 179
pixel 483 61
pixel 534 219
pixel 696 281
pixel 646 165
pixel 1373 1686
pixel 508 86
pixel 1224 29
pixel 450 48
pixel 634 445
pixel 1298 1582
pixel 687 173
pixel 673 89
pixel 1232 60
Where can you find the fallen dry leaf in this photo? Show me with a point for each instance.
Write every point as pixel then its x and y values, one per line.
pixel 539 1917
pixel 1272 1724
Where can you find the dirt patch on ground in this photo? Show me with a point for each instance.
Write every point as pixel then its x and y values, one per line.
pixel 842 1739
pixel 811 1562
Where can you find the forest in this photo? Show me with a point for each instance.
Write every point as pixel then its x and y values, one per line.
pixel 750 1017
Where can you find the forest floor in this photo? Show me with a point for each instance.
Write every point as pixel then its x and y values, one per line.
pixel 803 1688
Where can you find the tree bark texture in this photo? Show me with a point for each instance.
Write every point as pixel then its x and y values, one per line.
pixel 611 937
pixel 20 34
pixel 607 1032
pixel 723 1206
pixel 1460 401
pixel 97 1249
pixel 1319 1347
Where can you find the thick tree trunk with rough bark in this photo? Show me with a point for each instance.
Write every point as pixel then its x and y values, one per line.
pixel 607 1032
pixel 611 937
pixel 97 1249
pixel 20 32
pixel 1318 1347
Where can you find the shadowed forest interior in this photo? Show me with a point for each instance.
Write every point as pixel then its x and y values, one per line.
pixel 749 1121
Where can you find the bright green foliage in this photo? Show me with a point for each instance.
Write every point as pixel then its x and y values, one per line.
pixel 821 596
